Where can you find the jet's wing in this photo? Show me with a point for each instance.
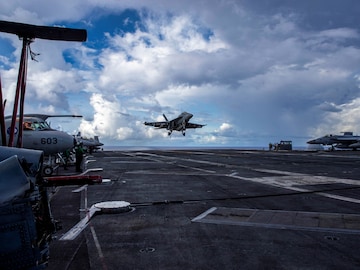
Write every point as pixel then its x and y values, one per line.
pixel 192 125
pixel 157 124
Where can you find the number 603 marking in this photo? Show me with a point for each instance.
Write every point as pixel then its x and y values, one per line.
pixel 49 141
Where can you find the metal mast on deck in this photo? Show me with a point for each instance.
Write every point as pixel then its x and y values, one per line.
pixel 28 33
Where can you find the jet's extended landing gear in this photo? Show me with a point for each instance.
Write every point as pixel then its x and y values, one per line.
pixel 183 133
pixel 50 165
pixel 48 170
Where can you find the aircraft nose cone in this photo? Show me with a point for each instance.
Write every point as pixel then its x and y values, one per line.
pixel 65 141
pixel 315 141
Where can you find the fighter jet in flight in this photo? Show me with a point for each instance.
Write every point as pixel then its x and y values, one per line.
pixel 345 141
pixel 181 123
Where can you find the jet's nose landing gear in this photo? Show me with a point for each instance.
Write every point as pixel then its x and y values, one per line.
pixel 48 170
pixel 183 133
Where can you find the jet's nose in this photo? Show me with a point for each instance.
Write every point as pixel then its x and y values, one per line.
pixel 312 142
pixel 65 141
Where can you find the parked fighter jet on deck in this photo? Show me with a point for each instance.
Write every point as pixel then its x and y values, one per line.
pixel 181 123
pixel 90 144
pixel 346 141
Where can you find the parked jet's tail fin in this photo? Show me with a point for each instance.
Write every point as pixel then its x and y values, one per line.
pixel 96 138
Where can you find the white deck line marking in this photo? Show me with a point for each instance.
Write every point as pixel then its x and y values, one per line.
pixel 130 162
pixel 80 226
pixel 92 170
pixel 96 241
pixel 314 178
pixel 98 247
pixel 292 181
pixel 203 215
pixel 169 172
pixel 185 159
pixel 155 156
pixel 196 169
pixel 280 219
pixel 338 197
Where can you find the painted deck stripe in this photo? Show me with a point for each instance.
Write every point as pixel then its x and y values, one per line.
pixel 280 219
pixel 203 215
pixel 80 226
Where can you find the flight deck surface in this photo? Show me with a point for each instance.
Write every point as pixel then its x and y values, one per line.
pixel 213 209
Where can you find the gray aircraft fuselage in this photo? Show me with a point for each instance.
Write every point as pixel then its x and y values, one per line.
pixel 348 140
pixel 38 135
pixel 89 143
pixel 179 123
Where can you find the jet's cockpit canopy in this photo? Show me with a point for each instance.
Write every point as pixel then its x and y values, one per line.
pixel 36 125
pixel 36 122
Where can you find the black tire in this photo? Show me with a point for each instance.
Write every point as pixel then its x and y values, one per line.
pixel 48 170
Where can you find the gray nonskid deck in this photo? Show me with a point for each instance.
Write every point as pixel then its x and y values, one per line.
pixel 296 220
pixel 214 209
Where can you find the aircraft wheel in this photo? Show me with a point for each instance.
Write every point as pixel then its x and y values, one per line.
pixel 48 170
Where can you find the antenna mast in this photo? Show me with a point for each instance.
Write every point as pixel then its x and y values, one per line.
pixel 28 33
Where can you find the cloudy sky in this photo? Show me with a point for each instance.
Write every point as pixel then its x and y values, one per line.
pixel 254 71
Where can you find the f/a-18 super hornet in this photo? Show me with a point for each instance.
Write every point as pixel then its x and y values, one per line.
pixel 181 123
pixel 345 141
pixel 91 144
